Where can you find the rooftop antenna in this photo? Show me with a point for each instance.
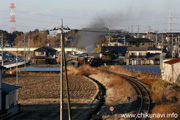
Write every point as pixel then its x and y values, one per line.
pixel 12 18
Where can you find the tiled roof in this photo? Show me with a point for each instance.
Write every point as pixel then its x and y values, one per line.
pixel 140 40
pixel 153 48
pixel 142 49
pixel 137 49
pixel 45 48
pixel 116 49
pixel 7 88
pixel 153 56
pixel 173 61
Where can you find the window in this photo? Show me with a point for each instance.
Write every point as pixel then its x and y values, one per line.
pixel 140 54
pixel 133 54
pixel 41 53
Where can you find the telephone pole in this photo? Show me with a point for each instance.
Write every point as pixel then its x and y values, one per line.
pixel 131 28
pixel 162 40
pixel 172 44
pixel 2 48
pixel 24 51
pixel 63 63
pixel 61 66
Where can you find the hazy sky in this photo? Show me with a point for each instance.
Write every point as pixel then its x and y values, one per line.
pixel 116 14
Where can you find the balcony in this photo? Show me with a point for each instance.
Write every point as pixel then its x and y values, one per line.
pixel 137 56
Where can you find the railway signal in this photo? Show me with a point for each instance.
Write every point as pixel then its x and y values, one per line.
pixel 111 109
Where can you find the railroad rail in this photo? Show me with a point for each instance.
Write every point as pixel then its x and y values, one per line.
pixel 143 96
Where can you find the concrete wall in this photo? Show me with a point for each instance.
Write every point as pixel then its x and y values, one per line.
pixel 176 71
pixel 167 75
pixel 171 72
pixel 0 90
pixel 11 99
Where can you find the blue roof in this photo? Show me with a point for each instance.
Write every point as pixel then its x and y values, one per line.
pixel 150 69
pixel 39 69
pixel 7 88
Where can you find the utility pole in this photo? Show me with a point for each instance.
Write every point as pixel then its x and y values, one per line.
pixel 149 28
pixel 124 40
pixel 162 40
pixel 172 44
pixel 24 51
pixel 63 63
pixel 28 45
pixel 138 29
pixel 156 39
pixel 2 48
pixel 17 64
pixel 131 28
pixel 138 35
pixel 128 29
pixel 178 46
pixel 61 66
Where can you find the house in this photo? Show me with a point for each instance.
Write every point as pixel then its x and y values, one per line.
pixel 143 56
pixel 119 50
pixel 140 42
pixel 8 97
pixel 171 70
pixel 44 55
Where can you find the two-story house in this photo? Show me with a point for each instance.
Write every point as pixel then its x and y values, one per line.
pixel 44 55
pixel 143 56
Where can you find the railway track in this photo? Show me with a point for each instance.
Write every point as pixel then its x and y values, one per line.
pixel 143 96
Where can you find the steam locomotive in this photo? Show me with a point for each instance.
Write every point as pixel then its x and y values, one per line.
pixel 85 58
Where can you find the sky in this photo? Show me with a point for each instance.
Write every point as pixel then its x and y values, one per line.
pixel 77 14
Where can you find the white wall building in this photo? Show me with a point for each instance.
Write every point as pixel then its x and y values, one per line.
pixel 171 70
pixel 8 97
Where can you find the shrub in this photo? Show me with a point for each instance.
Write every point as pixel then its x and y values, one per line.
pixel 159 86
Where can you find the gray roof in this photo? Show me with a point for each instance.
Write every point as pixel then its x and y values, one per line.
pixel 137 48
pixel 153 56
pixel 2 67
pixel 142 49
pixel 153 48
pixel 116 49
pixel 7 88
pixel 140 40
pixel 45 48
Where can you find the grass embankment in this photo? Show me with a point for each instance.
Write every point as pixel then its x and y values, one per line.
pixel 117 90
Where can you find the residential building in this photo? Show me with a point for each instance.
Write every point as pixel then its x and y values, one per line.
pixel 140 42
pixel 143 56
pixel 119 50
pixel 8 97
pixel 44 55
pixel 171 70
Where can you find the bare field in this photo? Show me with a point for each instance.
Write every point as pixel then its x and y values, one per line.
pixel 48 86
pixel 39 96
